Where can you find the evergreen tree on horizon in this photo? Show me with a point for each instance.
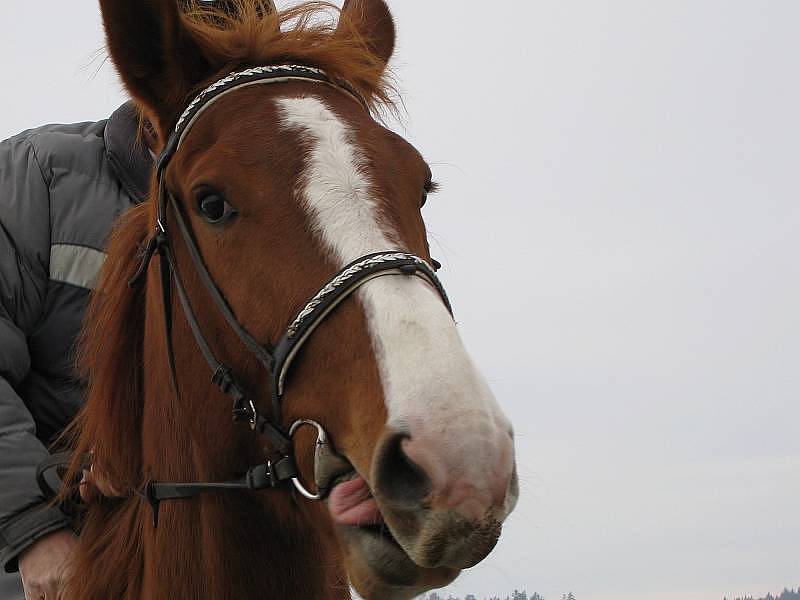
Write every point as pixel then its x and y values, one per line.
pixel 786 594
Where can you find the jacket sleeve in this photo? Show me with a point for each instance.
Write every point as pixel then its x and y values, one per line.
pixel 24 274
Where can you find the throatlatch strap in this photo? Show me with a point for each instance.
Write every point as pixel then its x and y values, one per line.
pixel 49 471
pixel 260 477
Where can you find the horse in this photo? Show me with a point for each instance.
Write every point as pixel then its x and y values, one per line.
pixel 283 230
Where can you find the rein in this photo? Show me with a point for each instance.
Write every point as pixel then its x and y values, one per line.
pixel 281 468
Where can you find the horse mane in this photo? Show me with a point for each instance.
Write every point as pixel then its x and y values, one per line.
pixel 110 358
pixel 317 33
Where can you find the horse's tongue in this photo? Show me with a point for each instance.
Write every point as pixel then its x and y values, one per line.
pixel 351 503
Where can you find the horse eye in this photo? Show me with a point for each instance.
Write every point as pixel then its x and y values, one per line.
pixel 214 207
pixel 424 198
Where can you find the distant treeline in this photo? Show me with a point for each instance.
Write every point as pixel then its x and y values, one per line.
pixel 515 595
pixel 786 594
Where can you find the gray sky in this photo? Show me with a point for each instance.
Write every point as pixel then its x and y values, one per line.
pixel 619 224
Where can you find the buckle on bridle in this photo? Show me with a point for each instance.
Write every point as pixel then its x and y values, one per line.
pixel 253 414
pixel 223 378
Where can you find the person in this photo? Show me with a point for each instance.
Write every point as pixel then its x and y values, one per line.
pixel 61 189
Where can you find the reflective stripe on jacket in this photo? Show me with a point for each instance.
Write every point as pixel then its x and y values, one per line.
pixel 61 189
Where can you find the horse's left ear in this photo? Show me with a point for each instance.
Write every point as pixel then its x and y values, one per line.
pixel 373 21
pixel 155 55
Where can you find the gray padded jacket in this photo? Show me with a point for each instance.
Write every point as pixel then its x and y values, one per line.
pixel 61 189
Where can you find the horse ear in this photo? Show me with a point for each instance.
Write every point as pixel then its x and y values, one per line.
pixel 155 56
pixel 373 21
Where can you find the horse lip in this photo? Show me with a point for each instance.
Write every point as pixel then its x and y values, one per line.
pixel 331 468
pixel 349 476
pixel 376 545
pixel 377 548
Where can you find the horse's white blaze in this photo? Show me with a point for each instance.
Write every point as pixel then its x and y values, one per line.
pixel 430 385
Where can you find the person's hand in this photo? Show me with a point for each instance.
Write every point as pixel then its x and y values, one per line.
pixel 44 566
pixel 93 483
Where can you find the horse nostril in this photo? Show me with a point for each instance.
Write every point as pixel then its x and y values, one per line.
pixel 400 481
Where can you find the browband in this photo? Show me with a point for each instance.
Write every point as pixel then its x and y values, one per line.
pixel 240 79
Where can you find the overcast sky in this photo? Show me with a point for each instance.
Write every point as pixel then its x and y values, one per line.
pixel 620 226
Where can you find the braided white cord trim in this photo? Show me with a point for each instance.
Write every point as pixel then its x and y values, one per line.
pixel 235 76
pixel 342 279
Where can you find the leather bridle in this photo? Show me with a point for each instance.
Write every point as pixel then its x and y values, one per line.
pixel 277 359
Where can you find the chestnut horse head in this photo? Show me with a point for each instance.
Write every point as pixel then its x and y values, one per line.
pixel 278 188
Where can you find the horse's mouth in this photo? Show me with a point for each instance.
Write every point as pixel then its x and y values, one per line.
pixel 355 510
pixel 372 547
pixel 352 503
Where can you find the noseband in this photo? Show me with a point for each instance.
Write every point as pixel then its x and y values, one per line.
pixel 276 360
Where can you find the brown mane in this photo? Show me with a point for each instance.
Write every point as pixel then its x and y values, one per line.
pixel 315 33
pixel 110 358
